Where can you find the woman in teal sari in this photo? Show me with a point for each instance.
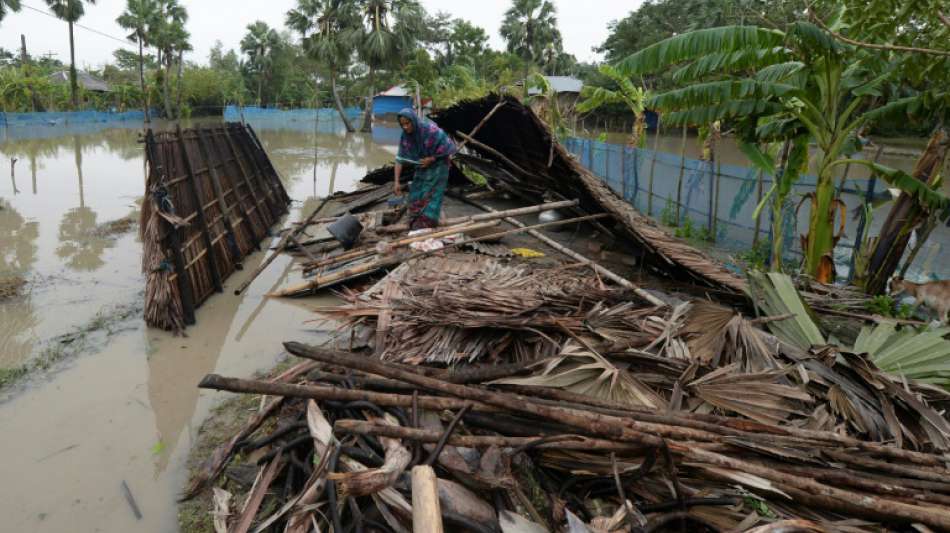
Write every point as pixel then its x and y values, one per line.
pixel 425 144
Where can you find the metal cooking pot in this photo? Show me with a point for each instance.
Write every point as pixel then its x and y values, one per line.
pixel 346 230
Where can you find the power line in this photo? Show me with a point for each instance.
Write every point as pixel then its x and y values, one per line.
pixel 78 25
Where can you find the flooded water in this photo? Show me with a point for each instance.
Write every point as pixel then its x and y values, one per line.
pixel 119 401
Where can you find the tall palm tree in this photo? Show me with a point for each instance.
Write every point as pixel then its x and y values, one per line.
pixel 70 11
pixel 171 39
pixel 390 31
pixel 528 28
pixel 326 27
pixel 259 45
pixel 12 5
pixel 137 17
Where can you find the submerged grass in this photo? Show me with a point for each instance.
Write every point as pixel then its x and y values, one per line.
pixel 70 344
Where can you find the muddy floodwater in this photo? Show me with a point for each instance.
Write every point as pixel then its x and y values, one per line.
pixel 103 400
pixel 117 401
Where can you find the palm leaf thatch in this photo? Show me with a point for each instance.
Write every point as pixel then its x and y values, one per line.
pixel 923 356
pixel 580 370
pixel 756 396
pixel 720 336
pixel 775 295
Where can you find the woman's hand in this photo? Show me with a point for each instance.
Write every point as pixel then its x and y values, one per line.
pixel 425 162
pixel 397 189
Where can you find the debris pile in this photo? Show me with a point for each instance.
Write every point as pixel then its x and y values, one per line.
pixel 542 391
pixel 569 403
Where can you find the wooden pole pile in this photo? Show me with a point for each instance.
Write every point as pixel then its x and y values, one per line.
pixel 397 464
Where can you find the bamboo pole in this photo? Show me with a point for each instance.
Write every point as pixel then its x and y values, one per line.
pixel 760 177
pixel 394 228
pixel 656 147
pixel 280 247
pixel 484 120
pixel 616 278
pixel 716 185
pixel 426 512
pixel 679 180
pixel 371 250
pixel 360 270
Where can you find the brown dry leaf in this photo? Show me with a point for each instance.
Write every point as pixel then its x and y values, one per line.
pixel 719 336
pixel 582 371
pixel 756 396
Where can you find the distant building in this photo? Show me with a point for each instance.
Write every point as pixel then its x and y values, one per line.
pixel 84 79
pixel 567 88
pixel 394 100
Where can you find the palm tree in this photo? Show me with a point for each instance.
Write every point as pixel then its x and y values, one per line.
pixel 12 5
pixel 259 45
pixel 171 39
pixel 390 31
pixel 780 85
pixel 529 27
pixel 70 11
pixel 137 17
pixel 326 27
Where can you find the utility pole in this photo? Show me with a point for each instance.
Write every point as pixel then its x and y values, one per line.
pixel 25 62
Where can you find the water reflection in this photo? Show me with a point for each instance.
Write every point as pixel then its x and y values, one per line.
pixel 17 255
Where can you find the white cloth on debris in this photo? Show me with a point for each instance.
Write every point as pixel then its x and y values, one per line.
pixel 429 245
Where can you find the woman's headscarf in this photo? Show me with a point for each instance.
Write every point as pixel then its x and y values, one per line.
pixel 427 139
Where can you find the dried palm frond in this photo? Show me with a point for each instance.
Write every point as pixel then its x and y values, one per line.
pixel 757 396
pixel 582 371
pixel 720 336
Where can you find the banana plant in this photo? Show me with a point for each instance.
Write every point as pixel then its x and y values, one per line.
pixel 785 83
pixel 626 93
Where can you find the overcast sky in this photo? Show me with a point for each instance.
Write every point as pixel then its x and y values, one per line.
pixel 583 25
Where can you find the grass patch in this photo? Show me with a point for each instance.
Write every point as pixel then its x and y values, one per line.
pixel 69 344
pixel 10 286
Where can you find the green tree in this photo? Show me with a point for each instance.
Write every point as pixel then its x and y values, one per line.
pixel 390 32
pixel 915 38
pixel 467 42
pixel 259 44
pixel 70 11
pixel 136 18
pixel 326 27
pixel 779 84
pixel 8 5
pixel 626 93
pixel 529 28
pixel 169 36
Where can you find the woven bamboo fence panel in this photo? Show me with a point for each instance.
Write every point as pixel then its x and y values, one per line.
pixel 212 195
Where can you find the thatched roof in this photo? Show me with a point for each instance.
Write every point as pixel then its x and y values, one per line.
pixel 517 133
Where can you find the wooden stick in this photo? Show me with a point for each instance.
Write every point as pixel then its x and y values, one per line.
pixel 280 247
pixel 426 513
pixel 559 442
pixel 478 126
pixel 498 155
pixel 370 250
pixel 323 393
pixel 625 430
pixel 361 270
pixel 616 278
pixel 395 228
